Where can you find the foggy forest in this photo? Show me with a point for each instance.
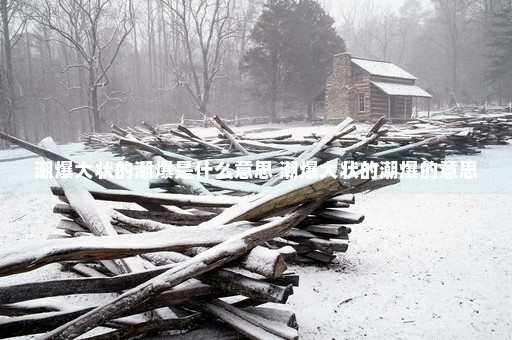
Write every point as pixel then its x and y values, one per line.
pixel 71 66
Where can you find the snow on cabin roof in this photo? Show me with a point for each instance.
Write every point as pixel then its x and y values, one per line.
pixel 401 90
pixel 382 68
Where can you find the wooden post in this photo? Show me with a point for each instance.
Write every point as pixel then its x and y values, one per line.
pixel 389 107
pixel 428 108
pixel 228 134
pixel 416 107
pixel 405 108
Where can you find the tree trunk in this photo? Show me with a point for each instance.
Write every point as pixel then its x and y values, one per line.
pixel 454 69
pixel 65 125
pixel 309 106
pixel 95 109
pixel 81 83
pixel 150 32
pixel 273 104
pixel 202 109
pixel 52 110
pixel 93 100
pixel 500 90
pixel 274 86
pixel 150 43
pixel 139 80
pixel 29 60
pixel 9 77
pixel 44 131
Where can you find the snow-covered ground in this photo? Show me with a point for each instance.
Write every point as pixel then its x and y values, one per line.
pixel 431 260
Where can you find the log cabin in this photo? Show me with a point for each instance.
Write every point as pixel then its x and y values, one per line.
pixel 365 89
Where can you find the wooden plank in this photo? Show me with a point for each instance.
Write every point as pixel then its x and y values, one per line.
pixel 428 141
pixel 164 199
pixel 32 324
pixel 132 143
pixel 152 326
pixel 340 215
pixel 25 257
pixel 284 195
pixel 223 279
pixel 167 217
pixel 333 230
pixel 249 324
pixel 229 134
pixel 315 148
pixel 206 261
pixel 192 186
pixel 58 157
pixel 278 315
pixel 95 218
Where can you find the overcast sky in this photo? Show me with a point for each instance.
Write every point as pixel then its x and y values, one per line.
pixel 334 5
pixel 391 3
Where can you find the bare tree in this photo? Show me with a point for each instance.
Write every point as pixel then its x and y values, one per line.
pixel 349 21
pixel 204 28
pixel 96 30
pixel 133 20
pixel 374 32
pixel 247 14
pixel 453 14
pixel 384 32
pixel 408 20
pixel 13 24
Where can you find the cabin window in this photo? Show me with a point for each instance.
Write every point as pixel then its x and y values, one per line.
pixel 360 100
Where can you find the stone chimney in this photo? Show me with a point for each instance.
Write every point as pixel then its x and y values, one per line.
pixel 339 94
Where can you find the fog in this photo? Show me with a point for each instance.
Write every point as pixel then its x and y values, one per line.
pixel 62 74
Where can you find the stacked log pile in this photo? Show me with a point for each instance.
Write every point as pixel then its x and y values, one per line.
pixel 185 269
pixel 419 141
pixel 487 129
pixel 198 263
pixel 455 140
pixel 199 258
pixel 237 121
pixel 464 130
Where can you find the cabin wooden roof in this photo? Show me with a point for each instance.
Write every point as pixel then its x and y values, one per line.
pixel 394 89
pixel 382 68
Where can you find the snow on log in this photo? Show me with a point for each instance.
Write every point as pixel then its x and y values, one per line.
pixel 201 263
pixel 25 257
pixel 94 217
pixel 157 198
